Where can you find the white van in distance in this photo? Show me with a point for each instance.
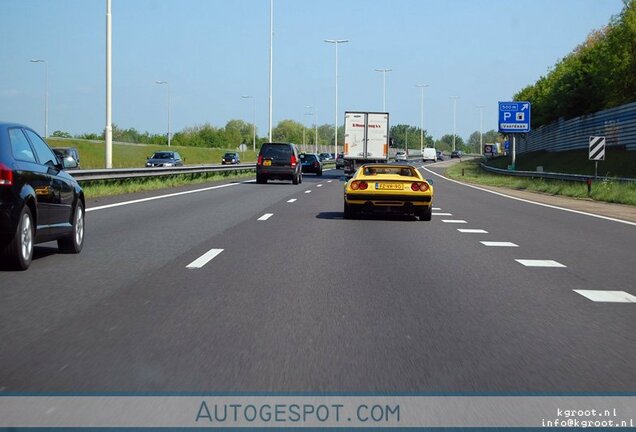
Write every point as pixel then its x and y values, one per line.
pixel 429 154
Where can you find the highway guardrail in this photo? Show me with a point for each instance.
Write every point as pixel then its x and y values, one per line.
pixel 554 176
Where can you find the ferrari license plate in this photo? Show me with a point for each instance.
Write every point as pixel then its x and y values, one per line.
pixel 389 186
pixel 267 163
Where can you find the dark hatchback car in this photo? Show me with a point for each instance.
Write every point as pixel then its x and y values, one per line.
pixel 340 161
pixel 456 154
pixel 231 159
pixel 164 159
pixel 39 201
pixel 278 161
pixel 69 155
pixel 311 163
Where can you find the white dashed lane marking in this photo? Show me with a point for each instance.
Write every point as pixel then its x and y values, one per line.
pixel 454 221
pixel 204 259
pixel 442 214
pixel 472 231
pixel 329 181
pixel 291 200
pixel 319 185
pixel 499 244
pixel 607 296
pixel 308 191
pixel 265 216
pixel 539 263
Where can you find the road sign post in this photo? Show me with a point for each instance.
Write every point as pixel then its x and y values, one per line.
pixel 514 117
pixel 597 151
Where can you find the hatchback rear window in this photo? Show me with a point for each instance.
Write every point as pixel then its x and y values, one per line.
pixel 308 158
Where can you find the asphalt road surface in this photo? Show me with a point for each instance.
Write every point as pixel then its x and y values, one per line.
pixel 303 300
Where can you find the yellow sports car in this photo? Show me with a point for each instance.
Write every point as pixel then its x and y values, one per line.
pixel 390 188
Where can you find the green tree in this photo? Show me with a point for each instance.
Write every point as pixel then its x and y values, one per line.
pixel 61 134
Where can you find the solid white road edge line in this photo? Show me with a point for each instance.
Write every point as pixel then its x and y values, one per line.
pixel 204 259
pixel 123 203
pixel 265 216
pixel 534 202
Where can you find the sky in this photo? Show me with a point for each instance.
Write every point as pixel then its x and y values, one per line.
pixel 212 52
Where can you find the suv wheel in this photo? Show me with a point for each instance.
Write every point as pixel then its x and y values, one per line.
pixel 296 179
pixel 74 242
pixel 19 250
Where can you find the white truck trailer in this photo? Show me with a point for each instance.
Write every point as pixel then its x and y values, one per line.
pixel 366 139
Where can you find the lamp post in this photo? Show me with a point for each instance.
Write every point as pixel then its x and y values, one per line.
pixel 454 98
pixel 271 63
pixel 169 107
pixel 422 87
pixel 384 71
pixel 253 119
pixel 336 42
pixel 46 95
pixel 481 129
pixel 108 129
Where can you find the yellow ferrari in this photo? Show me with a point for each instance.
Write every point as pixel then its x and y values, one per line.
pixel 389 188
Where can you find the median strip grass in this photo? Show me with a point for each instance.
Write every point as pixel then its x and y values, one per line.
pixel 608 191
pixel 104 188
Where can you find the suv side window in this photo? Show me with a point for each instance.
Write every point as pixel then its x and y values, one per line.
pixel 45 154
pixel 177 156
pixel 20 146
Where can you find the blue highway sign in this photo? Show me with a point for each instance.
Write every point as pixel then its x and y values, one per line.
pixel 514 117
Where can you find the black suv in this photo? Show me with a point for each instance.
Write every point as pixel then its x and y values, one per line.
pixel 278 161
pixel 39 201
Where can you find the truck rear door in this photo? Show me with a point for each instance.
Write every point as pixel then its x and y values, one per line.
pixel 377 136
pixel 354 135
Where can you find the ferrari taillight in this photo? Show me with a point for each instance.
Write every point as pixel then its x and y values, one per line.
pixel 420 187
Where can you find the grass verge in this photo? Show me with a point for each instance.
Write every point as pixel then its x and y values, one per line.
pixel 118 187
pixel 608 191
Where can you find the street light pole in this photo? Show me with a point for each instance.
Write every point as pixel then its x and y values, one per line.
pixel 108 130
pixel 454 98
pixel 271 63
pixel 384 71
pixel 46 95
pixel 169 107
pixel 481 129
pixel 422 87
pixel 315 126
pixel 253 119
pixel 336 42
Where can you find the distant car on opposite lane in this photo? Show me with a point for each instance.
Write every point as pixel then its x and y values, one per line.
pixel 311 163
pixel 164 159
pixel 325 157
pixel 401 156
pixel 456 154
pixel 231 158
pixel 440 155
pixel 429 154
pixel 39 201
pixel 388 188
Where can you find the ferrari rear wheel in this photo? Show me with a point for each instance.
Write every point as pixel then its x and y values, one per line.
pixel 347 211
pixel 426 213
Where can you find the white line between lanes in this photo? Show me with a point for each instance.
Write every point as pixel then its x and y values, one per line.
pixel 472 231
pixel 291 200
pixel 318 185
pixel 119 204
pixel 534 202
pixel 265 216
pixel 442 214
pixel 607 296
pixel 498 244
pixel 329 181
pixel 456 221
pixel 539 263
pixel 308 191
pixel 436 208
pixel 204 259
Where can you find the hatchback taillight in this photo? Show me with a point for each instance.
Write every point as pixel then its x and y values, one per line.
pixel 6 175
pixel 315 164
pixel 260 160
pixel 293 160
